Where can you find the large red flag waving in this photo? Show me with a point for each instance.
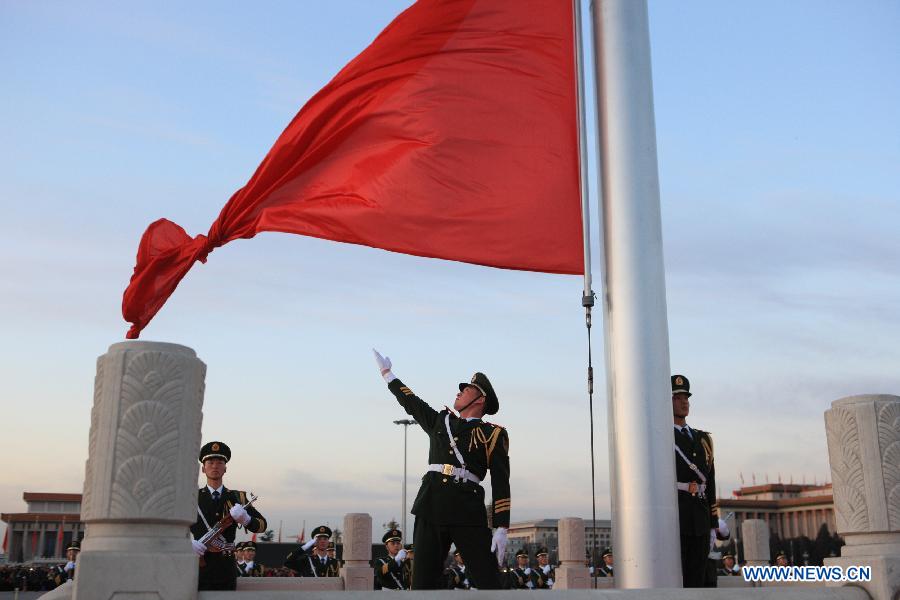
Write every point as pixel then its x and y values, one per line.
pixel 453 135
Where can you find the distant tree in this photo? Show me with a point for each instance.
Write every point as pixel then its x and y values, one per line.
pixel 268 536
pixel 822 546
pixel 392 524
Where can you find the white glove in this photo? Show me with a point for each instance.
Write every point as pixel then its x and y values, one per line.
pixel 722 531
pixel 69 565
pixel 239 514
pixel 546 569
pixel 309 544
pixel 528 570
pixel 199 549
pixel 401 556
pixel 498 544
pixel 384 365
pixel 550 583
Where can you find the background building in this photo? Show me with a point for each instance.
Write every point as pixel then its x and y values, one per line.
pixel 545 532
pixel 42 533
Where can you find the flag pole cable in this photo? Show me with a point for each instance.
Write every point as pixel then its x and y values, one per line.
pixel 587 297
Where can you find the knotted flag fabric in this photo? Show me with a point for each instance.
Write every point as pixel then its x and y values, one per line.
pixel 453 135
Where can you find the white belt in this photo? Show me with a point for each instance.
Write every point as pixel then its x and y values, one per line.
pixel 686 487
pixel 455 472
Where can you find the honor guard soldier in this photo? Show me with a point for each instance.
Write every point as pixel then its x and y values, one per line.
pixel 781 559
pixel 316 563
pixel 456 574
pixel 545 571
pixel 389 571
pixel 63 573
pixel 239 558
pixel 606 569
pixel 522 577
pixel 218 569
pixel 450 507
pixel 331 551
pixel 251 567
pixel 728 567
pixel 408 565
pixel 695 476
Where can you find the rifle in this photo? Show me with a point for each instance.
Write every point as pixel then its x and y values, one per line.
pixel 213 539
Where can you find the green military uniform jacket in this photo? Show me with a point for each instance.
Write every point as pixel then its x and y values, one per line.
pixel 389 574
pixel 697 514
pixel 483 446
pixel 213 512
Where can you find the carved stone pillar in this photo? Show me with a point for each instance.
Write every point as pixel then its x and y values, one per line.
pixel 357 572
pixel 864 451
pixel 571 574
pixel 756 542
pixel 140 488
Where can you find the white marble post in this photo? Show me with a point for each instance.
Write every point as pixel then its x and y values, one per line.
pixel 357 573
pixel 756 542
pixel 571 574
pixel 140 489
pixel 864 451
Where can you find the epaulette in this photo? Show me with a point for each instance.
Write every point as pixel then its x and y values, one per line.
pixel 494 425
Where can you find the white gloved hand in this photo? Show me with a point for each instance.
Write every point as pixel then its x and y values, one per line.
pixel 69 565
pixel 239 514
pixel 722 531
pixel 401 556
pixel 199 549
pixel 384 365
pixel 528 570
pixel 309 544
pixel 546 569
pixel 498 544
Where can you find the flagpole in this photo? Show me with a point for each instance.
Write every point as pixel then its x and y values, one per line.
pixel 642 467
pixel 587 297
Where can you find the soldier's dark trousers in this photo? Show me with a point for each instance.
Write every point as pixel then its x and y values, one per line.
pixel 694 552
pixel 432 543
pixel 220 572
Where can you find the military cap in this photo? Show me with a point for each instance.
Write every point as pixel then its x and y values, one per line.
pixel 215 450
pixel 391 535
pixel 728 555
pixel 522 552
pixel 681 385
pixel 780 554
pixel 606 552
pixel 74 545
pixel 330 546
pixel 239 546
pixel 456 552
pixel 480 380
pixel 322 530
pixel 541 550
pixel 249 546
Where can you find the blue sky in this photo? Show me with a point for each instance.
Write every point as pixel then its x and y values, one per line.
pixel 779 146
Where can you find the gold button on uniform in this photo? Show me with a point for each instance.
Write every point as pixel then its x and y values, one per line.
pixel 445 480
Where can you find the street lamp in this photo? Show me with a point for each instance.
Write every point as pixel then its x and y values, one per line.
pixel 406 423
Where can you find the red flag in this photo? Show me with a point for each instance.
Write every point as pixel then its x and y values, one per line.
pixel 302 537
pixel 253 538
pixel 5 536
pixel 59 537
pixel 453 135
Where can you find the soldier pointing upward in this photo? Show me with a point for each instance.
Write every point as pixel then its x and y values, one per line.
pixel 449 507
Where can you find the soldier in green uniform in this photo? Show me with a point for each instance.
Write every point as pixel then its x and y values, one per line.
pixel 545 572
pixel 331 552
pixel 218 569
pixel 239 558
pixel 606 569
pixel 455 574
pixel 251 567
pixel 522 576
pixel 408 565
pixel 695 476
pixel 389 570
pixel 728 568
pixel 449 507
pixel 316 563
